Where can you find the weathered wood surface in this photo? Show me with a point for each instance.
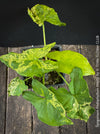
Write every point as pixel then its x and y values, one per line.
pixel 17 116
pixel 92 52
pixel 3 88
pixel 18 110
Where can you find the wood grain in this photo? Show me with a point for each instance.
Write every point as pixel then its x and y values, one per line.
pixel 90 52
pixel 3 88
pixel 18 109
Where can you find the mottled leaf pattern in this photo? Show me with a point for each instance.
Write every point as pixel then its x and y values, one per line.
pixel 16 87
pixel 41 13
pixel 29 63
pixel 76 101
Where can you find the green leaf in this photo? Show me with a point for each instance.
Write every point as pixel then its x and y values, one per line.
pixel 84 113
pixel 41 13
pixel 40 90
pixel 38 52
pixel 29 54
pixel 35 67
pixel 64 97
pixel 32 68
pixel 79 87
pixel 16 87
pixel 76 101
pixel 28 64
pixel 67 60
pixel 49 109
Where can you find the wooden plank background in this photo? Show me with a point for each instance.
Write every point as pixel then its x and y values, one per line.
pixel 17 116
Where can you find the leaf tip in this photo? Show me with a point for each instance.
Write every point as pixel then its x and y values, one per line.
pixel 63 24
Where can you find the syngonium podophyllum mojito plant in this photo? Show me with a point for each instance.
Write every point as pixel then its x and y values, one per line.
pixel 54 107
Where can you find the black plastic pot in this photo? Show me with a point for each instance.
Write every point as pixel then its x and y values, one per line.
pixel 51 78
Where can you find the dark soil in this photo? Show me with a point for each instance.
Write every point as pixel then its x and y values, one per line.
pixel 51 78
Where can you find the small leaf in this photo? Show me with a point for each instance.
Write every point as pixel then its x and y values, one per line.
pixel 67 60
pixel 79 87
pixel 41 13
pixel 16 87
pixel 76 101
pixel 49 109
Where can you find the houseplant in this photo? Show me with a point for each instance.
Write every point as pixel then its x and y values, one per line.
pixel 54 107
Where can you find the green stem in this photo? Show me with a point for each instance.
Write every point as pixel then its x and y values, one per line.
pixel 63 79
pixel 44 37
pixel 27 78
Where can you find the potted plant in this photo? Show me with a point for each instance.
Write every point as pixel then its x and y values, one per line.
pixel 54 107
pixel 51 78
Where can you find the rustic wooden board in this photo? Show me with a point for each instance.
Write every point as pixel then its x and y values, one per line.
pixel 3 88
pixel 18 109
pixel 90 51
pixel 79 127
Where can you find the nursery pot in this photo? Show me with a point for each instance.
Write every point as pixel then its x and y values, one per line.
pixel 51 78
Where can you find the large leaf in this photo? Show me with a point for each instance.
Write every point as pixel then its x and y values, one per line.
pixel 40 13
pixel 49 109
pixel 28 64
pixel 32 68
pixel 38 52
pixel 35 67
pixel 76 101
pixel 16 87
pixel 29 54
pixel 67 60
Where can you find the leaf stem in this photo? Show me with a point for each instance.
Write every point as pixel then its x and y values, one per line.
pixel 27 78
pixel 44 37
pixel 63 79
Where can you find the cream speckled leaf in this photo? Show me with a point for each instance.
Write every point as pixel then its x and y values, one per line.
pixel 28 63
pixel 41 13
pixel 16 87
pixel 28 54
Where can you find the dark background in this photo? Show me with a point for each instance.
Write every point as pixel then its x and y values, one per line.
pixel 17 28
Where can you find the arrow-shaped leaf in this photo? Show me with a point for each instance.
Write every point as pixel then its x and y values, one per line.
pixel 67 60
pixel 41 13
pixel 49 109
pixel 29 63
